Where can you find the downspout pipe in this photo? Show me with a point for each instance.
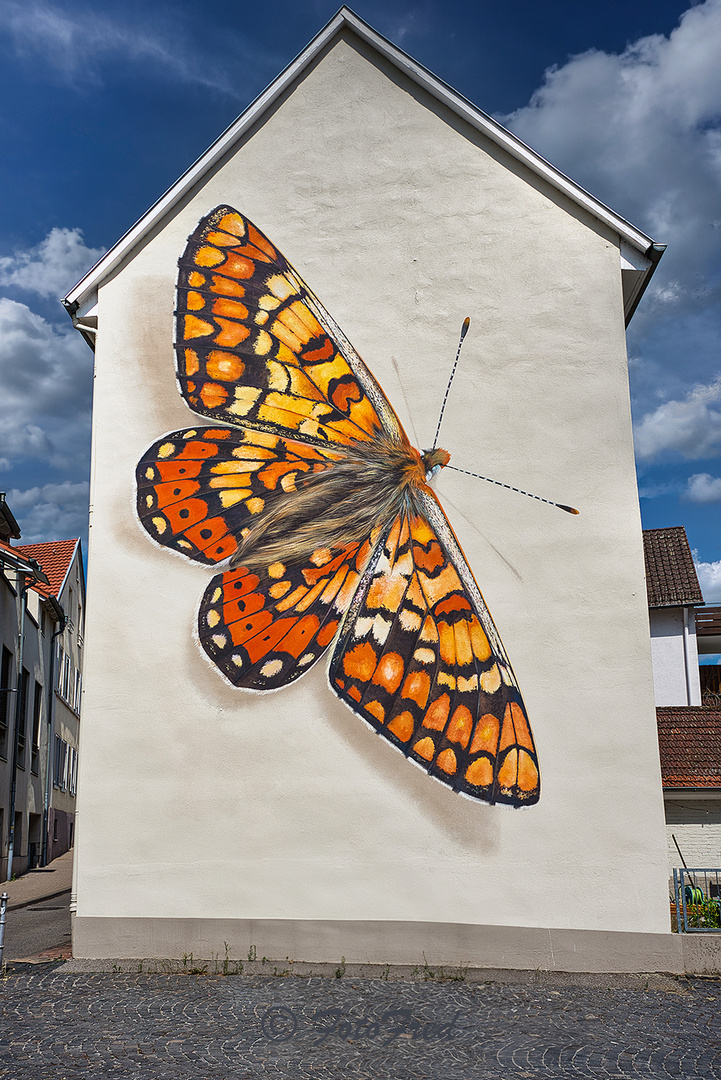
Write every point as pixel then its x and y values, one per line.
pixel 22 581
pixel 58 616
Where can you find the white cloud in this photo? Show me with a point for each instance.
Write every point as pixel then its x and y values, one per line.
pixel 75 40
pixel 51 512
pixel 46 379
pixel 655 490
pixel 703 488
pixel 709 576
pixel 691 427
pixel 53 266
pixel 642 130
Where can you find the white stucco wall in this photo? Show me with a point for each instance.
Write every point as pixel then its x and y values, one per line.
pixel 675 660
pixel 198 799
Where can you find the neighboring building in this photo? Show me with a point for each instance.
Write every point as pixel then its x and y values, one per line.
pixel 690 744
pixel 40 689
pixel 280 822
pixel 673 596
pixel 689 732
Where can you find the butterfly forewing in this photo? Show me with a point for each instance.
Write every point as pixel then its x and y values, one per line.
pixel 255 347
pixel 415 661
pixel 200 489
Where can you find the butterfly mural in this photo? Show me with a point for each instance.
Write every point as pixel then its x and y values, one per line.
pixel 308 492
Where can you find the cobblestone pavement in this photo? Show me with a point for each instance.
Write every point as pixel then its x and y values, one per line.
pixel 211 1027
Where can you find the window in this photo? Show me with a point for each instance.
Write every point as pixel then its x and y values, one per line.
pixel 66 677
pixel 35 749
pixel 78 691
pixel 6 698
pixel 72 770
pixel 68 684
pixel 22 717
pixel 60 778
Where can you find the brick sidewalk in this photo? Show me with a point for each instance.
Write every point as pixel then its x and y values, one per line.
pixel 167 1027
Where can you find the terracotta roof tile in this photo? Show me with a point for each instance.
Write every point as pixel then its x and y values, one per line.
pixel 54 557
pixel 689 739
pixel 670 573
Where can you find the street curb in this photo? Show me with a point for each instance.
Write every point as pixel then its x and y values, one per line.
pixel 37 900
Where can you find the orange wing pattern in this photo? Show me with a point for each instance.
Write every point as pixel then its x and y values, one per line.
pixel 255 347
pixel 318 503
pixel 199 490
pixel 415 662
pixel 264 629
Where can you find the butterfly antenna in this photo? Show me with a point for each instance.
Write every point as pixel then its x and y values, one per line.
pixel 568 509
pixel 464 331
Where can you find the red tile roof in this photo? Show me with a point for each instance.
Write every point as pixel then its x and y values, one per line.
pixel 54 557
pixel 670 573
pixel 689 739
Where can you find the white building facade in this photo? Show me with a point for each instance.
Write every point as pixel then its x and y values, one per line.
pixel 279 821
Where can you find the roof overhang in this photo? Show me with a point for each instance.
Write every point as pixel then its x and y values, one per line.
pixel 54 608
pixel 6 515
pixel 639 254
pixel 21 565
pixel 691 793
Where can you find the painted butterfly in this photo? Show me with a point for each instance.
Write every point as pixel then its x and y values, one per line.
pixel 315 500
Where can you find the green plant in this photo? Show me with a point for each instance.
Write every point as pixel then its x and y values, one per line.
pixel 252 954
pixel 194 969
pixel 460 976
pixel 706 914
pixel 340 971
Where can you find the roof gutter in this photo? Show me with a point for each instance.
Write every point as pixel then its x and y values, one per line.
pixel 31 567
pixel 653 254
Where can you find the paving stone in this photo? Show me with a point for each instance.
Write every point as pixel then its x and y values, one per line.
pixel 123 1025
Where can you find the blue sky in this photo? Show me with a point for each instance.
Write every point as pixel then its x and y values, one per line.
pixel 103 106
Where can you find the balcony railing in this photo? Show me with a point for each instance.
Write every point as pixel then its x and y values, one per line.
pixel 708 621
pixel 698 900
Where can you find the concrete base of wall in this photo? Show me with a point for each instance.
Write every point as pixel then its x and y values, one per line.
pixel 398 943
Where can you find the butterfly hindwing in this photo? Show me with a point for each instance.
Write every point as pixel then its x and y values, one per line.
pixel 199 489
pixel 415 661
pixel 255 346
pixel 265 627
